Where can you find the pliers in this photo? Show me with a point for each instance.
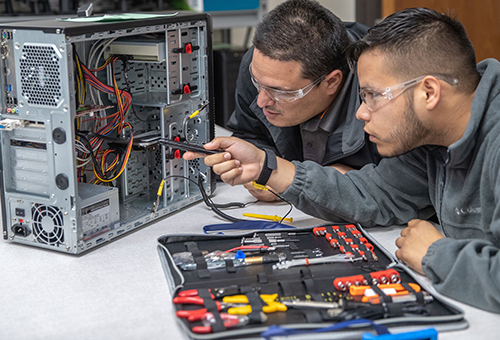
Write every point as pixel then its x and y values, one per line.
pixel 216 292
pixel 236 304
pixel 270 299
pixel 198 314
pixel 230 321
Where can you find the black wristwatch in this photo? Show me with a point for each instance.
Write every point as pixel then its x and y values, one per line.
pixel 270 164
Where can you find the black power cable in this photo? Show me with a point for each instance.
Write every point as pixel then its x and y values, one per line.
pixel 214 206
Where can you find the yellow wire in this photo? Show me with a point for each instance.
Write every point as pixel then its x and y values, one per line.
pixel 160 189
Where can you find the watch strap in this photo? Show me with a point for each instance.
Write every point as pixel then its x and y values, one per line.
pixel 270 164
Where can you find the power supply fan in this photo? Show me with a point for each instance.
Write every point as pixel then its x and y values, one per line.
pixel 47 224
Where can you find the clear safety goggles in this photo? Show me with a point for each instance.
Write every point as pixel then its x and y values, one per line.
pixel 281 96
pixel 374 100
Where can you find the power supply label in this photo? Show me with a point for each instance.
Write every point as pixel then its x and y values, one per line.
pixel 95 216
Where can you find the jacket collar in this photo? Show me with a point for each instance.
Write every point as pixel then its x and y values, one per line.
pixel 484 114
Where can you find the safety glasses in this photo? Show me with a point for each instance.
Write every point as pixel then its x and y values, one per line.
pixel 281 96
pixel 374 100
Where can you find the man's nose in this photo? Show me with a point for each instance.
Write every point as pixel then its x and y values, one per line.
pixel 363 113
pixel 264 99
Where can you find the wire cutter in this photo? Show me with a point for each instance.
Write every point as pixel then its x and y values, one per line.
pixel 198 314
pixel 230 321
pixel 236 304
pixel 270 299
pixel 216 292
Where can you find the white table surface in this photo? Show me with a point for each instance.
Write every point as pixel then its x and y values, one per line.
pixel 119 291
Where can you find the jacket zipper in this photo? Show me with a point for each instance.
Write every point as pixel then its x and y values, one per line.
pixel 441 194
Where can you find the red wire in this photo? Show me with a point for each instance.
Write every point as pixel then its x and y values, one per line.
pixel 246 247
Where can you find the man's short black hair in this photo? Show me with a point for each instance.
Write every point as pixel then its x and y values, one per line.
pixel 306 32
pixel 421 41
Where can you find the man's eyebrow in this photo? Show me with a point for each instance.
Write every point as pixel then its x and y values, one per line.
pixel 368 88
pixel 278 88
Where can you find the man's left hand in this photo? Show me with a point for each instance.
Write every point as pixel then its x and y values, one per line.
pixel 414 242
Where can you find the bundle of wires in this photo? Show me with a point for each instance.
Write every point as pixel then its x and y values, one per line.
pixel 216 208
pixel 105 168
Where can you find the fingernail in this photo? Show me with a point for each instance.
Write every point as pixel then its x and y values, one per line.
pixel 238 163
pixel 208 144
pixel 227 156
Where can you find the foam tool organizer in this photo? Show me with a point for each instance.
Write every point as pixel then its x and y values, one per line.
pixel 333 279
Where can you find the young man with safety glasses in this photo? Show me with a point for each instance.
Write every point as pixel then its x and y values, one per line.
pixel 295 94
pixel 436 115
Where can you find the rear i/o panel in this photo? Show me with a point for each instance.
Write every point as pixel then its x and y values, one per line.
pixel 78 100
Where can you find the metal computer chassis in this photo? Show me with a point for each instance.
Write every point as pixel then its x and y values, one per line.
pixel 165 62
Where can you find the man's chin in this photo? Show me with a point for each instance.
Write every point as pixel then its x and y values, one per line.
pixel 275 118
pixel 390 153
pixel 384 151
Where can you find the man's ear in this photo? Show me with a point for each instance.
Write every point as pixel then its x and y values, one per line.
pixel 432 91
pixel 333 81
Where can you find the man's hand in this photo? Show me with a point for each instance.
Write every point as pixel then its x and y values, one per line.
pixel 414 242
pixel 261 195
pixel 239 163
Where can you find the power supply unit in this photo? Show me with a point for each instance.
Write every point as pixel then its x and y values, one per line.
pixel 84 105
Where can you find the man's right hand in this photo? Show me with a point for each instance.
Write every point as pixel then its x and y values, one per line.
pixel 240 162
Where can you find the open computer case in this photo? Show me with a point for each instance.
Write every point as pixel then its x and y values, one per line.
pixel 84 103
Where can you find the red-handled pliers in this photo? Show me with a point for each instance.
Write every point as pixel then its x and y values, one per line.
pixel 197 314
pixel 191 292
pixel 230 321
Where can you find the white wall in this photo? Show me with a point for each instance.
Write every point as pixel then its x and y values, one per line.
pixel 344 9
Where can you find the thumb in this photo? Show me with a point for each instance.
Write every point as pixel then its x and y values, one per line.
pixel 221 143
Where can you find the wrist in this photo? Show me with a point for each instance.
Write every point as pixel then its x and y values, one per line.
pixel 268 165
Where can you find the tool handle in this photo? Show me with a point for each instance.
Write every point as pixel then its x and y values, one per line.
pixel 191 300
pixel 243 310
pixel 194 314
pixel 368 298
pixel 191 292
pixel 208 329
pixel 191 315
pixel 360 290
pixel 274 307
pixel 187 147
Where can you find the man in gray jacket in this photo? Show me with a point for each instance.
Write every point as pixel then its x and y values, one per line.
pixel 436 114
pixel 295 94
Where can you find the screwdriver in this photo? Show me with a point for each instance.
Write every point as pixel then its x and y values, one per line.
pixel 410 297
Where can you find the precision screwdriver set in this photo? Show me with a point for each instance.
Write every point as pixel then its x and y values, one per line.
pixel 298 283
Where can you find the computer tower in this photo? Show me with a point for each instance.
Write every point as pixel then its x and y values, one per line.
pixel 85 103
pixel 226 69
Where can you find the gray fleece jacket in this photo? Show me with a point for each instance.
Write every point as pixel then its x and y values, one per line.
pixel 462 184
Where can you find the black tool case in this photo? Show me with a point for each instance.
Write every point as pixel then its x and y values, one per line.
pixel 312 282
